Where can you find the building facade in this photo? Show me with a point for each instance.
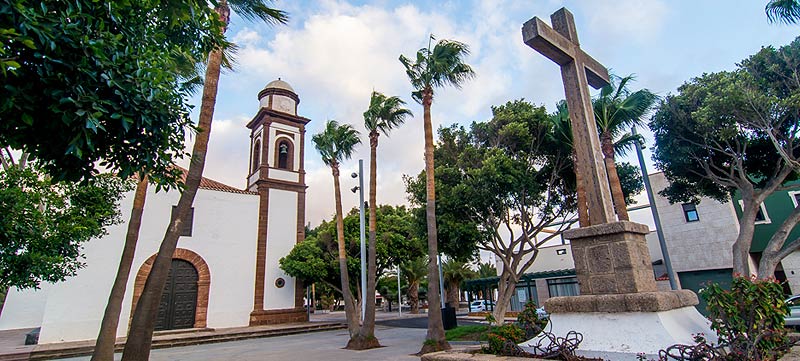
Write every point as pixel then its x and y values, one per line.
pixel 225 270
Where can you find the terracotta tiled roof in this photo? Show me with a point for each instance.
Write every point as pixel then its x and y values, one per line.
pixel 213 185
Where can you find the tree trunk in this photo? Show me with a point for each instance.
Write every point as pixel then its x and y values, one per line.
pixel 413 297
pixel 741 248
pixel 453 296
pixel 347 294
pixel 505 290
pixel 583 207
pixel 607 144
pixel 775 252
pixel 106 339
pixel 367 335
pixel 140 335
pixel 435 339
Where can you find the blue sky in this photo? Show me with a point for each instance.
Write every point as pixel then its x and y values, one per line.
pixel 334 53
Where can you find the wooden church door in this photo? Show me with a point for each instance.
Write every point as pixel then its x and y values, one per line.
pixel 179 298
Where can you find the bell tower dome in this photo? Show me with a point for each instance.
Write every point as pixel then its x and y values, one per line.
pixel 277 173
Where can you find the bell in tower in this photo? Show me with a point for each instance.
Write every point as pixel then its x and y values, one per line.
pixel 277 135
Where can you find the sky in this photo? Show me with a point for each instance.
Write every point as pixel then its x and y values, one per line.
pixel 335 53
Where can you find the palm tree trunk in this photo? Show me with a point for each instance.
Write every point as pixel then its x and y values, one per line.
pixel 435 339
pixel 347 294
pixel 368 329
pixel 106 339
pixel 413 297
pixel 613 179
pixel 140 335
pixel 583 208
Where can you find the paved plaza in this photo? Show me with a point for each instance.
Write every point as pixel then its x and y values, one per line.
pixel 399 344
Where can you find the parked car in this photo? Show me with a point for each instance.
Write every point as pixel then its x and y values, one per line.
pixel 480 305
pixel 793 318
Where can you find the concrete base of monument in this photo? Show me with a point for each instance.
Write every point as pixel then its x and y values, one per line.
pixel 631 324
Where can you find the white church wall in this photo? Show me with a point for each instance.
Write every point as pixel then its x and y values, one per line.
pixel 224 235
pixel 284 175
pixel 281 238
pixel 24 309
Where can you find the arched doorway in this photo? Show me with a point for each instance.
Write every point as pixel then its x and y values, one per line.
pixel 179 298
pixel 190 267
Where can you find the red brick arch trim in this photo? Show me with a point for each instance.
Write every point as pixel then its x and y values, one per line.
pixel 203 283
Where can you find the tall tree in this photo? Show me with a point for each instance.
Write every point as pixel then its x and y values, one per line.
pixel 414 271
pixel 336 144
pixel 736 132
pixel 438 67
pixel 140 335
pixel 383 115
pixel 109 75
pixel 783 11
pixel 616 110
pixel 509 180
pixel 454 272
pixel 44 223
pixel 107 337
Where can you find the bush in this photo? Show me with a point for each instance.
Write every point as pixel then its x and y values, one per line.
pixel 749 319
pixel 529 321
pixel 500 338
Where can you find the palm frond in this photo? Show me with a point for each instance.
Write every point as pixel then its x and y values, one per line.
pixel 259 9
pixel 783 11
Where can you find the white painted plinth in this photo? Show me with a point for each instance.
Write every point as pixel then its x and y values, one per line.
pixel 618 335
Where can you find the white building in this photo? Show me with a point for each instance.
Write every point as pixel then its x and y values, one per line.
pixel 225 271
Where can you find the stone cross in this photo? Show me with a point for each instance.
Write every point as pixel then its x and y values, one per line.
pixel 577 69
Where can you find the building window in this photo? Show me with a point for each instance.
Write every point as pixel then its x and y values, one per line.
pixel 563 286
pixel 284 154
pixel 762 217
pixel 795 197
pixel 256 156
pixel 186 230
pixel 690 212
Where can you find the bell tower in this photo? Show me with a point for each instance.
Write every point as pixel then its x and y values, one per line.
pixel 276 172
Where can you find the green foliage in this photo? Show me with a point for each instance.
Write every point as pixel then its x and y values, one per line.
pixel 316 258
pixel 529 320
pixel 500 336
pixel 486 270
pixel 749 318
pixel 438 67
pixel 384 113
pixel 336 142
pixel 617 109
pixel 88 84
pixel 714 136
pixel 44 223
pixel 467 333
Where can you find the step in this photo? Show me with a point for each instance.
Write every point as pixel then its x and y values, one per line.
pixel 196 338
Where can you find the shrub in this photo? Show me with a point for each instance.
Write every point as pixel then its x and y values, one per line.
pixel 749 318
pixel 503 337
pixel 529 321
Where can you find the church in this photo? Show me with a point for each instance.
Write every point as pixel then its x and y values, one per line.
pixel 225 271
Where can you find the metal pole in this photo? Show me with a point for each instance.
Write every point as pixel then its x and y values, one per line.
pixel 308 302
pixel 651 198
pixel 441 281
pixel 399 295
pixel 363 246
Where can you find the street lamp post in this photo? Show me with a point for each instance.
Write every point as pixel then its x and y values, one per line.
pixel 654 210
pixel 360 188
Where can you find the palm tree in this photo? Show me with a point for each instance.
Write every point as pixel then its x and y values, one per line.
pixel 140 335
pixel 783 11
pixel 616 110
pixel 383 115
pixel 563 134
pixel 107 337
pixel 443 65
pixel 454 272
pixel 486 270
pixel 414 272
pixel 335 144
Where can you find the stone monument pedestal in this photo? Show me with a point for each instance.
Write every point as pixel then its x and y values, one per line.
pixel 620 312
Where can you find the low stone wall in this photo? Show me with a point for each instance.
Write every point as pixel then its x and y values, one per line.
pixel 469 355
